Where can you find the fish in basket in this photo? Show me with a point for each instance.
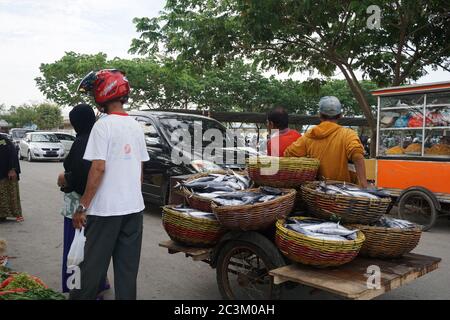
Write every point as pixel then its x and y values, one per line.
pixel 389 238
pixel 253 209
pixel 345 202
pixel 283 172
pixel 201 189
pixel 191 226
pixel 316 242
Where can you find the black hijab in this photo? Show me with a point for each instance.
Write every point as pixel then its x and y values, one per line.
pixel 8 157
pixel 82 118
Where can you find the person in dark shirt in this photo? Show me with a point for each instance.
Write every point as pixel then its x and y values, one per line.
pixel 9 181
pixel 74 179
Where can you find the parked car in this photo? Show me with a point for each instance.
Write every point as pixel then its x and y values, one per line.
pixel 18 134
pixel 66 139
pixel 41 146
pixel 161 131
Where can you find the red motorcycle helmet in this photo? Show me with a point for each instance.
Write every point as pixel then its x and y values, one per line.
pixel 105 85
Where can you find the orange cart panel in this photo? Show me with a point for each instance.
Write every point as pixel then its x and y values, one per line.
pixel 402 174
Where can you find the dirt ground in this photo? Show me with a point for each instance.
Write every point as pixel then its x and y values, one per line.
pixel 36 247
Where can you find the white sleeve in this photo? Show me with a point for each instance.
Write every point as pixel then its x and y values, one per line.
pixel 97 147
pixel 143 148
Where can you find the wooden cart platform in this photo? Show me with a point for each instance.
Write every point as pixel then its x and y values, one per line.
pixel 197 254
pixel 350 280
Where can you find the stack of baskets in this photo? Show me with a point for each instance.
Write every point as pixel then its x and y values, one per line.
pixel 189 230
pixel 316 252
pixel 203 232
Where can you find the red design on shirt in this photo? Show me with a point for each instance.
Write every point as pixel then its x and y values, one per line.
pixel 127 149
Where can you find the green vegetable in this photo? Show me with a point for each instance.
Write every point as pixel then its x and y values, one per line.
pixel 36 294
pixel 3 276
pixel 23 280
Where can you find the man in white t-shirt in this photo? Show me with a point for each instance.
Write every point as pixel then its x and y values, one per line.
pixel 110 209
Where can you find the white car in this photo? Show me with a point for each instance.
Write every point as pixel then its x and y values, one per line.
pixel 66 139
pixel 41 146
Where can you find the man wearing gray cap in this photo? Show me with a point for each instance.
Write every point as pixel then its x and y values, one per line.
pixel 335 146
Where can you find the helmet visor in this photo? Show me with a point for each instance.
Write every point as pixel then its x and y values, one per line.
pixel 87 84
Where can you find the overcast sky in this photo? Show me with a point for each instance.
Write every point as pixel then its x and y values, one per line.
pixel 40 31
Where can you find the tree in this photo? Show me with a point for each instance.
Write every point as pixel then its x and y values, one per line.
pixel 170 84
pixel 304 35
pixel 59 80
pixel 20 116
pixel 48 116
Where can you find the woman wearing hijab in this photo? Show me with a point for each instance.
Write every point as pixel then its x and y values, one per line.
pixel 9 181
pixel 73 181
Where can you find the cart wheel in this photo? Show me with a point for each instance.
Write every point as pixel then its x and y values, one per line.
pixel 243 271
pixel 419 207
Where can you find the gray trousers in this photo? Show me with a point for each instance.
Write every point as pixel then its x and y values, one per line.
pixel 119 237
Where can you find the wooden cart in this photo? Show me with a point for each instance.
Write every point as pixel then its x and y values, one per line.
pixel 264 279
pixel 413 149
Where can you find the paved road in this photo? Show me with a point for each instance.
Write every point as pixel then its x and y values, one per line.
pixel 37 246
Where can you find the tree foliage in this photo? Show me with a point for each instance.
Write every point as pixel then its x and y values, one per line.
pixel 48 116
pixel 304 35
pixel 45 115
pixel 172 84
pixel 20 116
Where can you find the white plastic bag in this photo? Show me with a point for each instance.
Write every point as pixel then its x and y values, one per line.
pixel 76 252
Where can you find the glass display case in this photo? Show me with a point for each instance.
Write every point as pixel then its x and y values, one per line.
pixel 414 125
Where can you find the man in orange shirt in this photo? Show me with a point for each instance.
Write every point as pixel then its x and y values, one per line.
pixel 336 147
pixel 278 120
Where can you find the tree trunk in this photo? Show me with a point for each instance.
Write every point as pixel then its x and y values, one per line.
pixel 364 105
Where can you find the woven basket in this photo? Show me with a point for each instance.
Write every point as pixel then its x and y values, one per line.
pixel 384 242
pixel 343 208
pixel 191 230
pixel 257 216
pixel 291 173
pixel 198 202
pixel 315 252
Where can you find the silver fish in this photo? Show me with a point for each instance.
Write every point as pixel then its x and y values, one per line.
pixel 209 195
pixel 323 230
pixel 243 179
pixel 228 202
pixel 299 229
pixel 395 223
pixel 220 178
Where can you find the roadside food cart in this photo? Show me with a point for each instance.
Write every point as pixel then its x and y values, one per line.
pixel 250 266
pixel 413 149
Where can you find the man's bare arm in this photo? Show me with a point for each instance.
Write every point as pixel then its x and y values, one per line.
pixel 95 177
pixel 360 167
